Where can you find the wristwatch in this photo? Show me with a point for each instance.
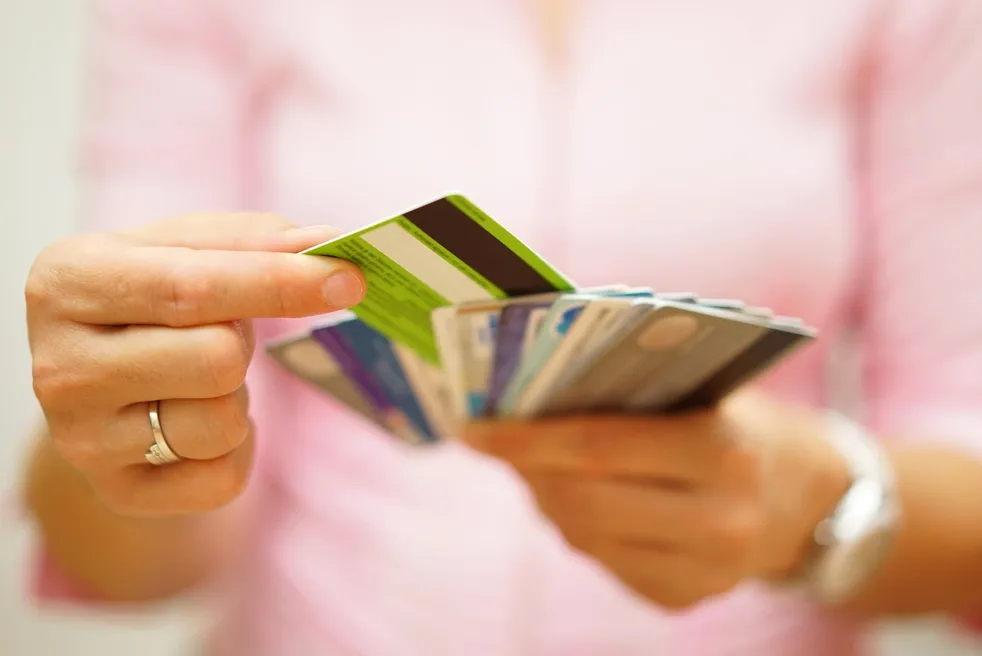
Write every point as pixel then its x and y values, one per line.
pixel 850 544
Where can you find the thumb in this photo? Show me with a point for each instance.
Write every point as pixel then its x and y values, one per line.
pixel 232 232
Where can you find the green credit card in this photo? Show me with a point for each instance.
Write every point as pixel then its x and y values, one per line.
pixel 442 253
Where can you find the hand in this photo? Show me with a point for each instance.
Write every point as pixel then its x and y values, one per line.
pixel 680 508
pixel 162 313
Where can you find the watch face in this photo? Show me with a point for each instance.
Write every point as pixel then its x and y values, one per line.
pixel 858 511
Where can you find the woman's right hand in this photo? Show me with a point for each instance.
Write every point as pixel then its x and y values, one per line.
pixel 162 313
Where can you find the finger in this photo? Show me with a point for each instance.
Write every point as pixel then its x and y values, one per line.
pixel 195 429
pixel 182 287
pixel 232 232
pixel 200 429
pixel 673 580
pixel 706 525
pixel 187 487
pixel 113 368
pixel 203 429
pixel 686 450
pixel 614 510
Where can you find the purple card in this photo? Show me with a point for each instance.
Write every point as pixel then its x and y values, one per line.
pixel 387 413
pixel 510 342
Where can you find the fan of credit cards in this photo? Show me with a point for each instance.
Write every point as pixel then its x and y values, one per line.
pixel 462 321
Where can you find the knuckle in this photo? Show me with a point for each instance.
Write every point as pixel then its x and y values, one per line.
pixel 289 300
pixel 184 294
pixel 54 268
pixel 244 329
pixel 40 289
pixel 55 383
pixel 230 417
pixel 225 359
pixel 288 303
pixel 39 286
pixel 739 531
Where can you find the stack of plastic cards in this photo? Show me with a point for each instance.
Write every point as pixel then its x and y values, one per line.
pixel 463 321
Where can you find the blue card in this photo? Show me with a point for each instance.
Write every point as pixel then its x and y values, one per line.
pixel 369 360
pixel 511 342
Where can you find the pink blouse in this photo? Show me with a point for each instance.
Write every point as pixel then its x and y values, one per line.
pixel 820 158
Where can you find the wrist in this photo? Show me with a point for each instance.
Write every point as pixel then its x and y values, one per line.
pixel 850 541
pixel 814 477
pixel 829 483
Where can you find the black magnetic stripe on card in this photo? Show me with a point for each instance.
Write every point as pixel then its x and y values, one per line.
pixel 759 356
pixel 478 248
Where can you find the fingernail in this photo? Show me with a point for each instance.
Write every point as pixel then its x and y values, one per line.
pixel 344 289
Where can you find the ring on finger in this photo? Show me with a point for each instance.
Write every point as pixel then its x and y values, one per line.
pixel 160 453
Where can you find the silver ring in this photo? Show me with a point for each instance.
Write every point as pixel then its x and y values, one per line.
pixel 159 452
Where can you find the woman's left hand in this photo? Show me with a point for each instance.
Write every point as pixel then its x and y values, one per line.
pixel 680 508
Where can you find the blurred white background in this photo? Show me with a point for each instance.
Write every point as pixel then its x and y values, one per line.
pixel 41 45
pixel 40 87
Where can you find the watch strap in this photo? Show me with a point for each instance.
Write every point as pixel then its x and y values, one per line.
pixel 871 477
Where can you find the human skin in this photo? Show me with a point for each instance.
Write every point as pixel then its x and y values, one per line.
pixel 680 508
